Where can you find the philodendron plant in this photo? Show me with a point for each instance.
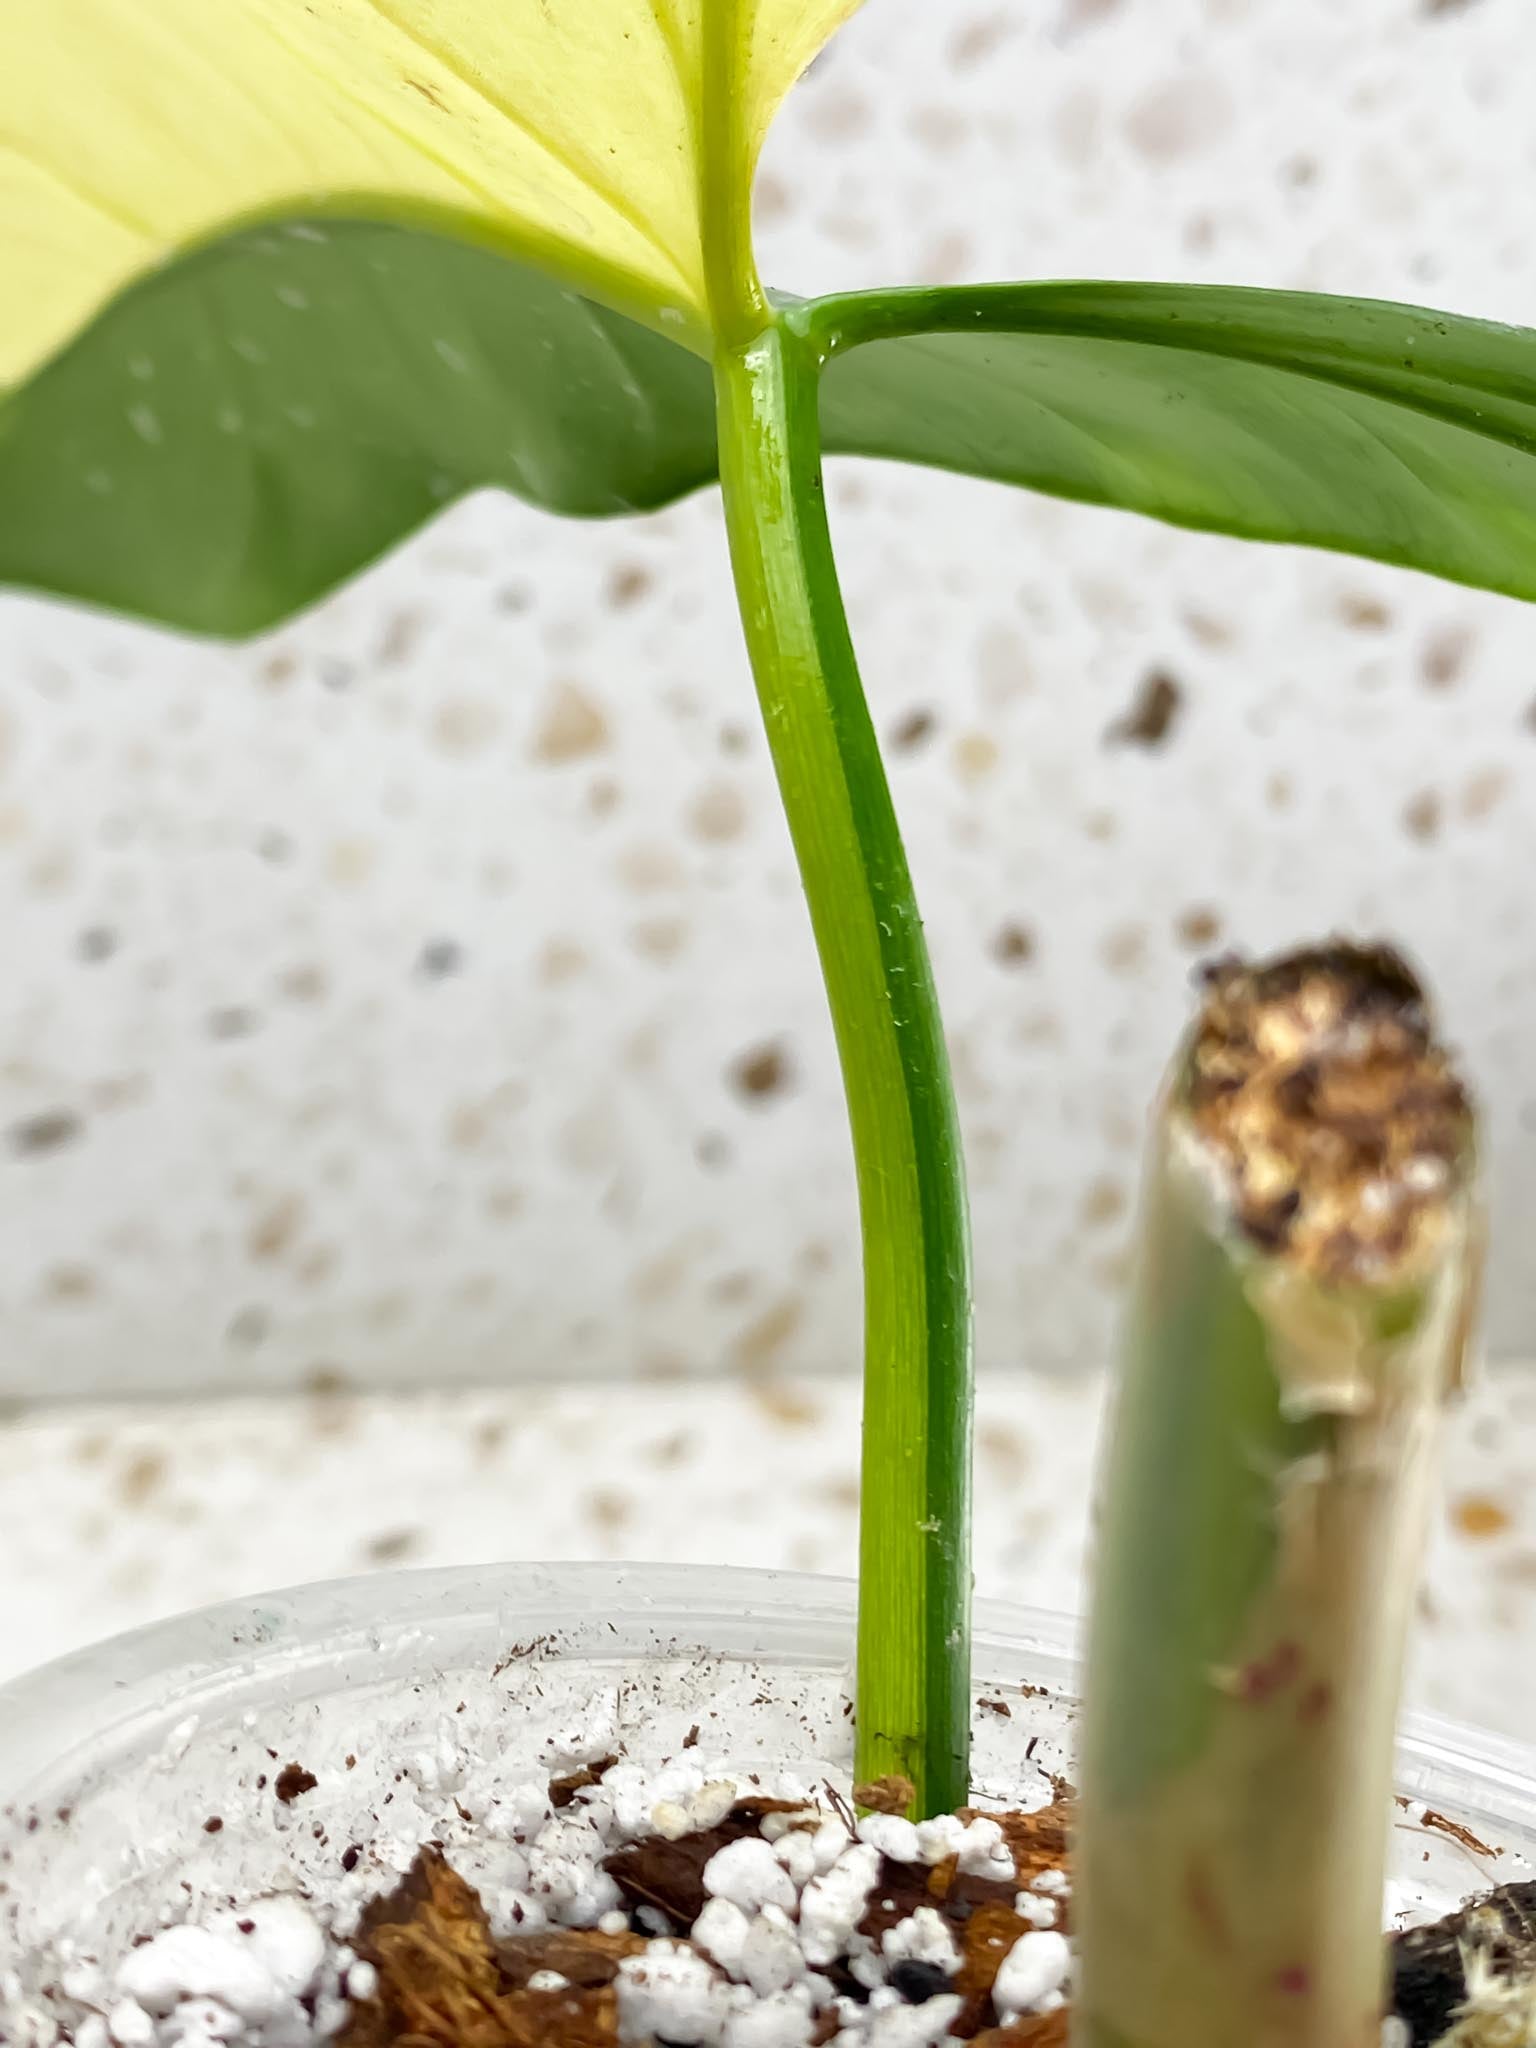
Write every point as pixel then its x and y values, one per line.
pixel 283 277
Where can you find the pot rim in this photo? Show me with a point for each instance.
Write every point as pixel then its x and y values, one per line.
pixel 47 1712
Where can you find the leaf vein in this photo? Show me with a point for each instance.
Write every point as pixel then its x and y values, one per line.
pixel 85 195
pixel 571 161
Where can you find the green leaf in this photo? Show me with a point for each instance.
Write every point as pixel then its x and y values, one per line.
pixel 245 429
pixel 1377 429
pixel 250 425
pixel 570 133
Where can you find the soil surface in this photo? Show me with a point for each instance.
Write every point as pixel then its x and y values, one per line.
pixel 683 1911
pixel 442 1975
pixel 1429 1981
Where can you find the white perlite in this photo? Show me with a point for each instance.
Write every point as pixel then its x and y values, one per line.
pixel 926 1937
pixel 783 1904
pixel 1032 1974
pixel 832 1905
pixel 892 1836
pixel 886 2022
pixel 750 1875
pixel 123 1934
pixel 264 1976
pixel 672 1992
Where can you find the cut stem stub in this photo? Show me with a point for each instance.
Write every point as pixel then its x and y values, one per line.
pixel 1308 1269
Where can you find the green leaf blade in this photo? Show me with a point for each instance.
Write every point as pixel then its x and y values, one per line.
pixel 1377 430
pixel 248 427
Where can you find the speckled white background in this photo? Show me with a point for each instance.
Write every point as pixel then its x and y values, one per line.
pixel 112 1515
pixel 424 993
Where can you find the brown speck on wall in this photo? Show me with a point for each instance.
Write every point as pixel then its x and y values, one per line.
pixel 276 1229
pixel 571 727
pixel 249 1326
pixel 975 756
pixel 836 116
pixel 1484 792
pixel 1180 117
pixel 397 642
pixel 761 1342
pixel 976 40
pixel 659 938
pixel 1153 714
pixel 1197 928
pixel 1004 1447
pixel 439 958
pixel 1003 672
pixel 628 583
pixel 717 814
pixel 1364 613
pixel 1421 815
pixel 350 862
pixel 1207 629
pixel 772 200
pixel 120 1091
pixel 50 1131
pixel 648 867
pixel 785 1404
pixel 1081 14
pixel 1124 949
pixel 143 1475
pixel 1013 944
pixel 233 1021
pixel 913 729
pixel 464 725
pixel 761 1072
pixel 305 984
pixel 1444 659
pixel 561 960
pixel 71 1284
pixel 1105 1202
pixel 1478 1516
pixel 608 1508
pixel 945 260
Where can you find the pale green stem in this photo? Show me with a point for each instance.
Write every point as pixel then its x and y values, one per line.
pixel 913 1697
pixel 1264 1507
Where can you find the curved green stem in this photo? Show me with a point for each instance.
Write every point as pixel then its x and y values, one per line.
pixel 737 306
pixel 914 1599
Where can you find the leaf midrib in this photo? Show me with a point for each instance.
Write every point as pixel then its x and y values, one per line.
pixel 1415 396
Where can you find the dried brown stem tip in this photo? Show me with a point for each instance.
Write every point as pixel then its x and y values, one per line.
pixel 1318 1093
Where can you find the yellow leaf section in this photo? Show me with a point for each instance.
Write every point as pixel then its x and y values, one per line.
pixel 785 35
pixel 566 129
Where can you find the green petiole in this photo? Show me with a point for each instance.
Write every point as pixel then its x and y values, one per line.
pixel 913 1689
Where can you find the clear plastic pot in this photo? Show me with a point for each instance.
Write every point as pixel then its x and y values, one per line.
pixel 147 1772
